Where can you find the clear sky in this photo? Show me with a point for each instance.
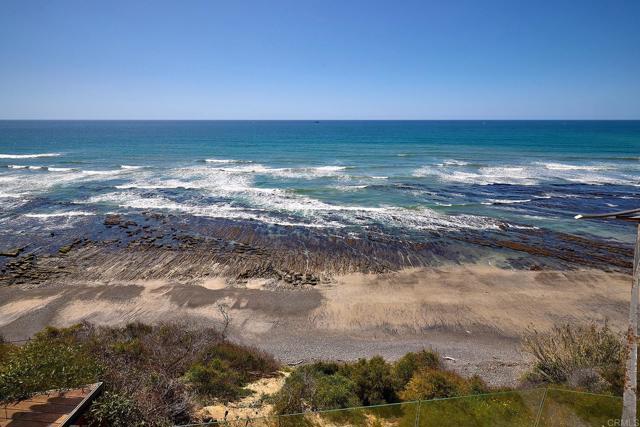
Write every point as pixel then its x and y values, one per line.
pixel 345 59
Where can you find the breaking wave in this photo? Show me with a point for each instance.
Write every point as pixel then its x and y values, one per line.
pixel 282 207
pixel 299 172
pixel 530 174
pixel 28 156
pixel 504 201
pixel 225 161
pixel 58 214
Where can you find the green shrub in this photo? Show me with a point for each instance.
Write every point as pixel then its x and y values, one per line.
pixel 51 360
pixel 114 410
pixel 132 349
pixel 296 393
pixel 316 386
pixel 374 381
pixel 215 379
pixel 324 368
pixel 431 384
pixel 248 362
pixel 6 352
pixel 408 364
pixel 333 392
pixel 476 385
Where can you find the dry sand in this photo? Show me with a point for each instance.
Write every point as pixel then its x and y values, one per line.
pixel 474 314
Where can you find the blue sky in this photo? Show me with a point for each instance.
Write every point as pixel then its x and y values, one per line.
pixel 320 60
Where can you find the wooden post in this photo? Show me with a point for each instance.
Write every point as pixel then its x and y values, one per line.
pixel 631 372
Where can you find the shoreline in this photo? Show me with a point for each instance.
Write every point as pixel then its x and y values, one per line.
pixel 474 314
pixel 152 246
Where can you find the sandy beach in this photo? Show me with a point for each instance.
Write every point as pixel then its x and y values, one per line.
pixel 472 314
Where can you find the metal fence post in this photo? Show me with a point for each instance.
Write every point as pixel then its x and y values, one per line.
pixel 539 415
pixel 417 424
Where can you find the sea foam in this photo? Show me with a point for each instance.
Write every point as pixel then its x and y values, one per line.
pixel 58 214
pixel 28 156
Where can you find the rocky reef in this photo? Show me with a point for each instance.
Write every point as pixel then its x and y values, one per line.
pixel 158 246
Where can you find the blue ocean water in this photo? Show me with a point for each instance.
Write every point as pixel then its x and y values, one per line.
pixel 434 175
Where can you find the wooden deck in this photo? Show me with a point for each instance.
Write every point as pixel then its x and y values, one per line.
pixel 54 408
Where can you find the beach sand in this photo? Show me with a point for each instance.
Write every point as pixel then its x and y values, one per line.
pixel 474 314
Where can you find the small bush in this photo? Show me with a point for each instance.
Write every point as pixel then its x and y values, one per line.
pixel 296 394
pixel 431 384
pixel 114 410
pixel 6 352
pixel 333 392
pixel 410 363
pixel 476 385
pixel 51 360
pixel 566 350
pixel 215 379
pixel 374 381
pixel 315 387
pixel 248 362
pixel 131 349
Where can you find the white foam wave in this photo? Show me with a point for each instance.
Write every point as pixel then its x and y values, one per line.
pixel 454 162
pixel 567 167
pixel 504 201
pixel 28 156
pixel 9 195
pixel 227 211
pixel 330 168
pixel 159 185
pixel 301 172
pixel 25 167
pixel 280 207
pixel 484 176
pixel 531 174
pixel 224 161
pixel 131 200
pixel 27 185
pixel 58 214
pixel 350 187
pixel 101 172
pixel 130 167
pixel 271 205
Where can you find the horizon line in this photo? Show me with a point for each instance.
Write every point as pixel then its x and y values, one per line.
pixel 313 120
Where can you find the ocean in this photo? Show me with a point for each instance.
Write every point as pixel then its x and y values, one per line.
pixel 353 175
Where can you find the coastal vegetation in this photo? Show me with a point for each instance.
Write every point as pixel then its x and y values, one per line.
pixel 328 385
pixel 584 357
pixel 158 374
pixel 163 374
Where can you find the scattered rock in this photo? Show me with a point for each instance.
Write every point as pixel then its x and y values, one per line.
pixel 112 219
pixel 12 252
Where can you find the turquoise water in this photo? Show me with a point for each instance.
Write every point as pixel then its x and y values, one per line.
pixel 434 175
